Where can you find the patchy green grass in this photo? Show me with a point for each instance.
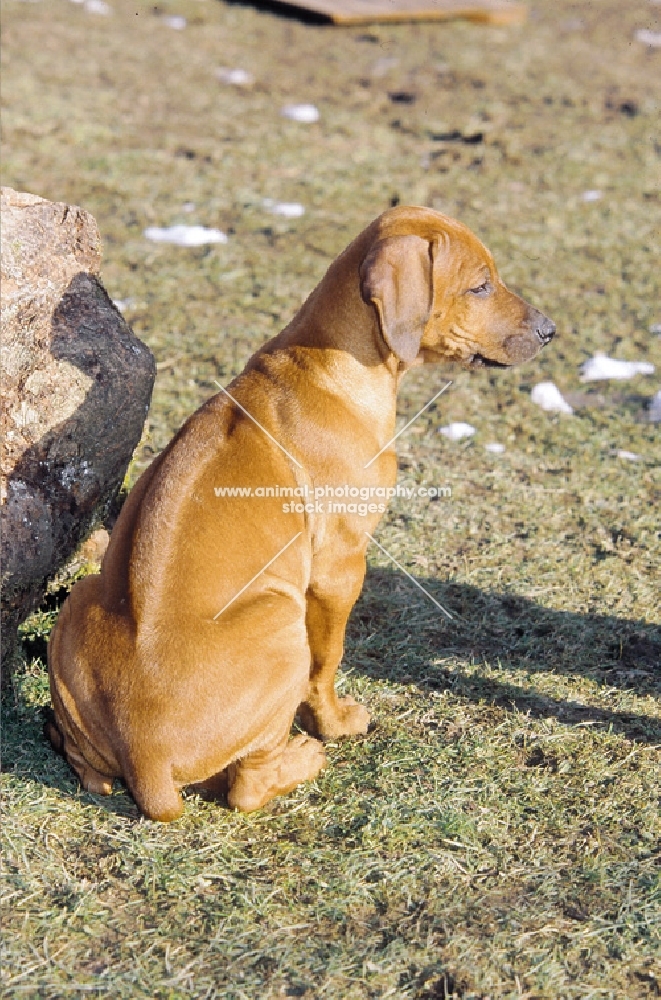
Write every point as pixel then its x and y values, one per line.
pixel 497 832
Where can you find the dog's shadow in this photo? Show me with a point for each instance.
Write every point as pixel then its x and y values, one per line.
pixel 396 632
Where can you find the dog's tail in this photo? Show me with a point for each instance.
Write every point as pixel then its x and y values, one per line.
pixel 51 729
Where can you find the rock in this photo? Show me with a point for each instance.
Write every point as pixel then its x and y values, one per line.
pixel 76 386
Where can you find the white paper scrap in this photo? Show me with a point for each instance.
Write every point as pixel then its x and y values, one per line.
pixel 592 195
pixel 175 21
pixel 647 37
pixel 290 209
pixel 548 396
pixel 123 304
pixel 629 456
pixel 457 431
pixel 185 236
pixel 306 113
pixel 495 448
pixel 602 367
pixel 384 65
pixel 97 7
pixel 237 77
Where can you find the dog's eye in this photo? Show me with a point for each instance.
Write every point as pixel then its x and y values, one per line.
pixel 481 290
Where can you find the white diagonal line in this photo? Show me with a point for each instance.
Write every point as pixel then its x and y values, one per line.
pixel 406 426
pixel 243 410
pixel 411 578
pixel 262 570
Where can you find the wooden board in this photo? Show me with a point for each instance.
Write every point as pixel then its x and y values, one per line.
pixel 369 11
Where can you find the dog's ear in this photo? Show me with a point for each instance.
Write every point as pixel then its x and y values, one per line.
pixel 396 277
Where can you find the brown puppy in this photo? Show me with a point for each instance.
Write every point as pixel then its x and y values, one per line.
pixel 216 618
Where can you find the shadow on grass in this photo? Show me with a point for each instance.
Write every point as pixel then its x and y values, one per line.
pixel 28 756
pixel 395 632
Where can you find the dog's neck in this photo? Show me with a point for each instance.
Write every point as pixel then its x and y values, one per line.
pixel 336 319
pixel 334 342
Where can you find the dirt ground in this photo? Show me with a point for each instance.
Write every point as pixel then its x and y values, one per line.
pixel 496 835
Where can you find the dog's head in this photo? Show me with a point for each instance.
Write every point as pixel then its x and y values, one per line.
pixel 438 296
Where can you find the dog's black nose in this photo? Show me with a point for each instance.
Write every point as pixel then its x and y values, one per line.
pixel 545 329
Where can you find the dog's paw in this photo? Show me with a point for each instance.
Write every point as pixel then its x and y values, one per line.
pixel 252 785
pixel 342 717
pixel 353 718
pixel 304 758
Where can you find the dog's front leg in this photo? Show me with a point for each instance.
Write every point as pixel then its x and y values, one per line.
pixel 330 598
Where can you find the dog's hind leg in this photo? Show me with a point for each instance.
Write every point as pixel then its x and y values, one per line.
pixel 152 786
pixel 262 775
pixel 91 779
pixel 64 743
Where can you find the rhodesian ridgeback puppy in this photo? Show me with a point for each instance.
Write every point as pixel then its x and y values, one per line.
pixel 217 618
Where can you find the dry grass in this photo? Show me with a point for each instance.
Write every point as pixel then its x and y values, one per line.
pixel 497 832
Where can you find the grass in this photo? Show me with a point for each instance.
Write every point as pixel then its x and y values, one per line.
pixel 496 834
